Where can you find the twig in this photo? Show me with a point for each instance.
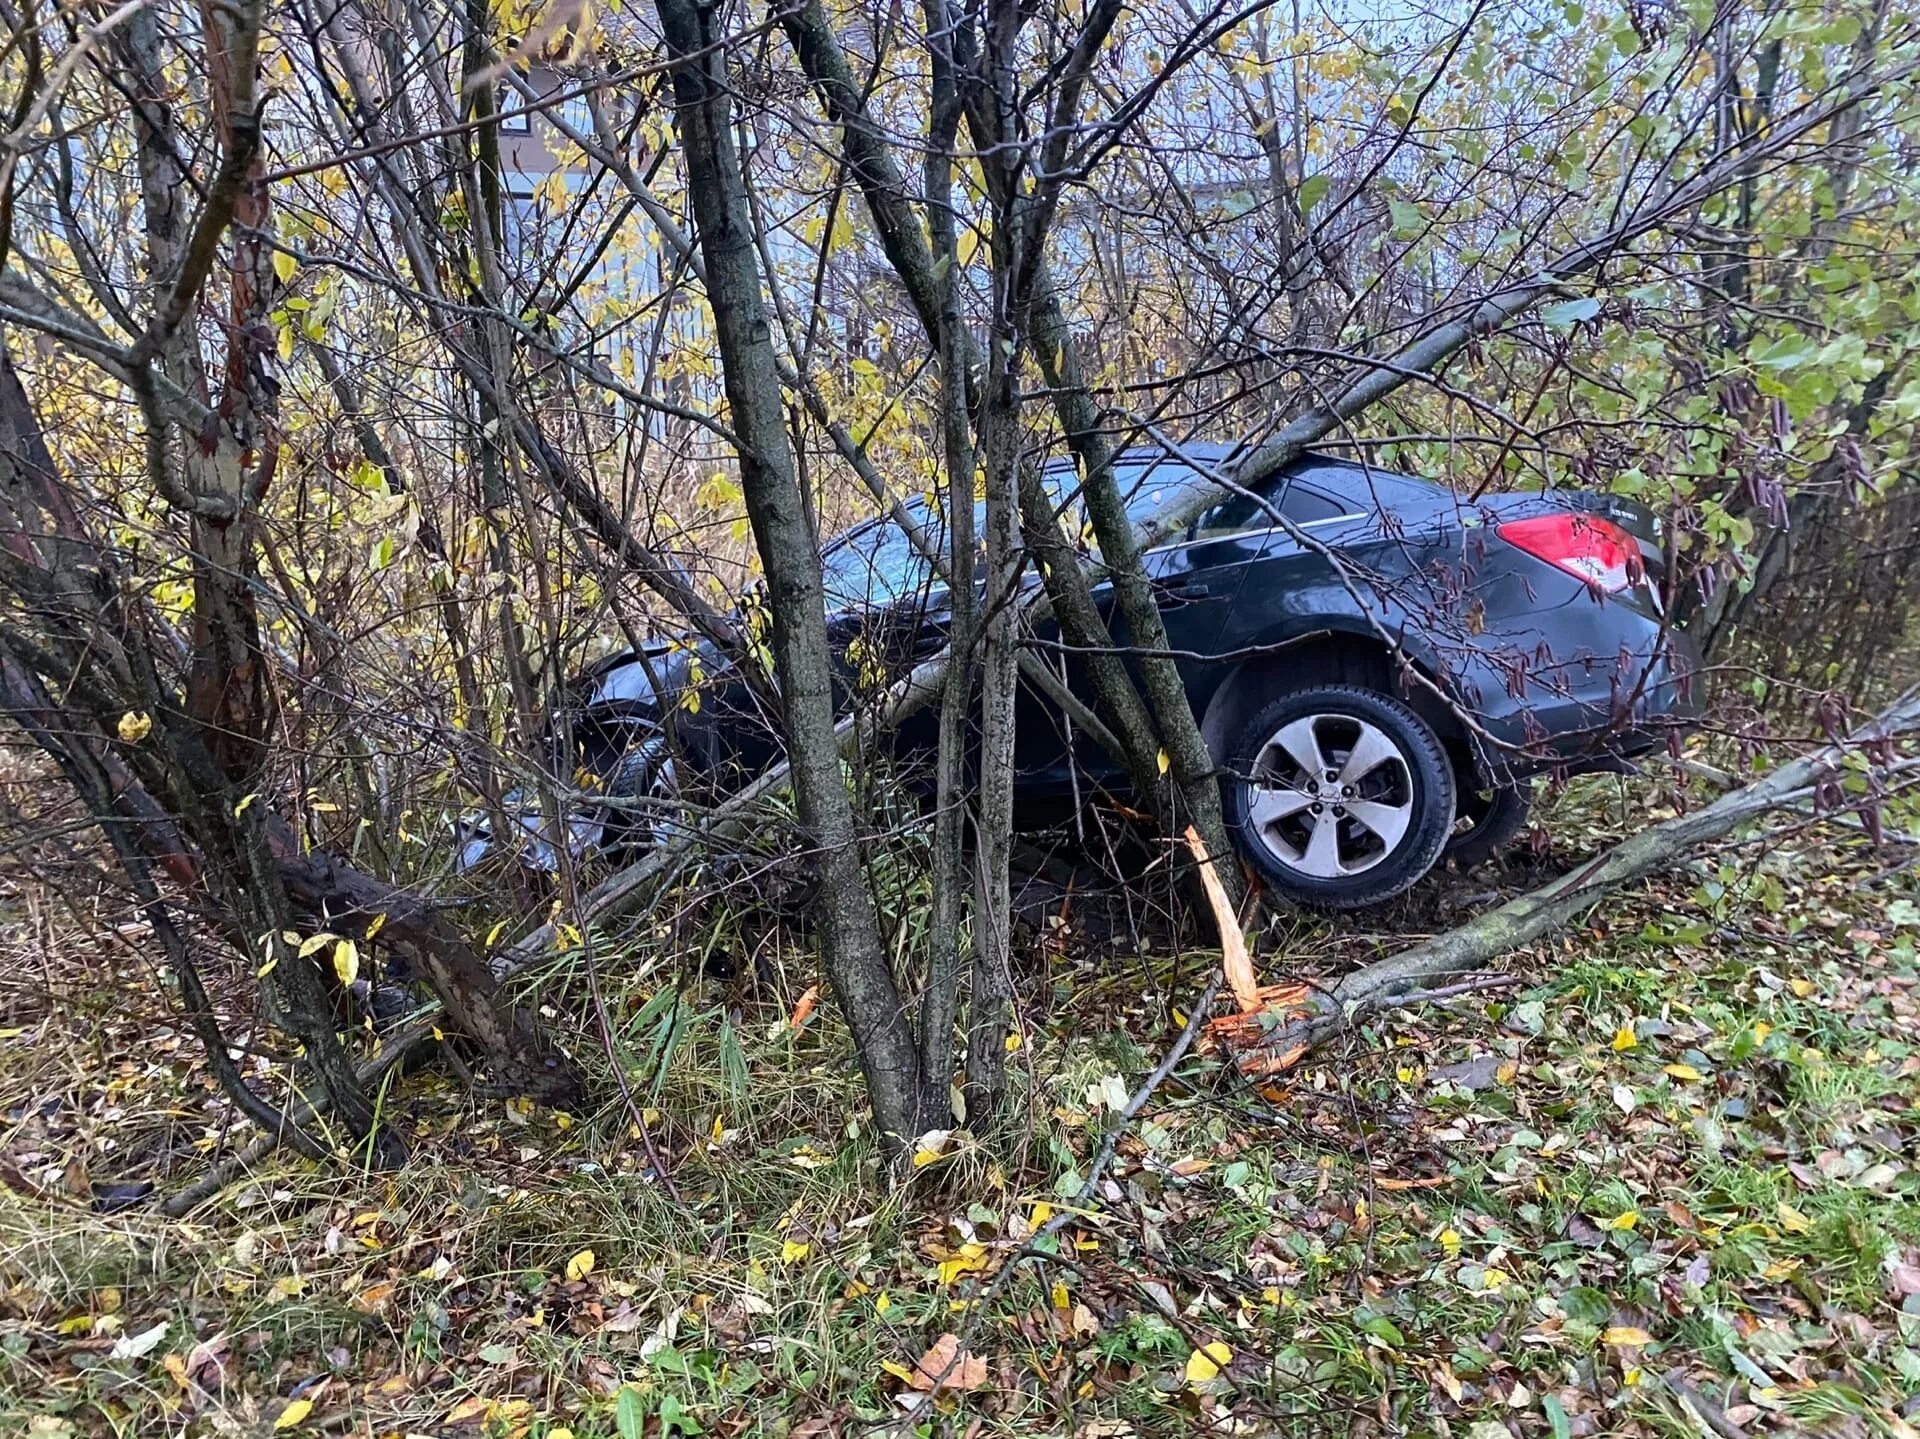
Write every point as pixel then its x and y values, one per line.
pixel 225 1172
pixel 619 1072
pixel 1109 1146
pixel 1711 1414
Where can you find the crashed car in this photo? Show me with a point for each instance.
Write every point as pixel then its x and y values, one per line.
pixel 1380 668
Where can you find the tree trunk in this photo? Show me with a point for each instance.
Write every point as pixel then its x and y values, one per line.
pixel 940 1004
pixel 855 962
pixel 1192 766
pixel 992 981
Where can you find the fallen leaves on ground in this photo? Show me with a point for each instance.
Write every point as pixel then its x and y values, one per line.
pixel 1672 1168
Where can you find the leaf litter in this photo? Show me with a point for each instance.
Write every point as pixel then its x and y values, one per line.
pixel 1665 1185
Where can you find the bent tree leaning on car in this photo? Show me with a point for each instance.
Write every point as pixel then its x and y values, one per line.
pixel 982 70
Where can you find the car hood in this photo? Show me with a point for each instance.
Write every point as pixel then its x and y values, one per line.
pixel 646 680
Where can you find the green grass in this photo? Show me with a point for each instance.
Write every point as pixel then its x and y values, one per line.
pixel 1687 1157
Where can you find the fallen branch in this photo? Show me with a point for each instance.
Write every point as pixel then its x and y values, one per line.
pixel 299 1115
pixel 1397 981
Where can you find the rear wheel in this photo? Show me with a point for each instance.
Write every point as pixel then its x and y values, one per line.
pixel 1341 797
pixel 1487 819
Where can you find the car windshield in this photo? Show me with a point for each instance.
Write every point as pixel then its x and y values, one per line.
pixel 877 564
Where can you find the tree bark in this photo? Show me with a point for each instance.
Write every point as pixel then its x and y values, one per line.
pixel 1521 921
pixel 855 962
pixel 940 1004
pixel 991 987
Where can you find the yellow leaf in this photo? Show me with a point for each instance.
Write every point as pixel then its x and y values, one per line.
pixel 473 1407
pixel 1622 1222
pixel 560 1431
pixel 314 943
pixel 1632 1377
pixel 494 934
pixel 967 1259
pixel 1685 1073
pixel 135 725
pixel 295 1413
pixel 1207 1361
pixel 285 266
pixel 881 1304
pixel 1761 1029
pixel 1493 1279
pixel 1623 1039
pixel 379 923
pixel 580 1266
pixel 792 1251
pixel 1164 762
pixel 1061 1299
pixel 241 808
pixel 1791 1219
pixel 1801 987
pixel 346 961
pixel 1626 1336
pixel 1013 1043
pixel 1450 1242
pixel 78 1324
pixel 898 1371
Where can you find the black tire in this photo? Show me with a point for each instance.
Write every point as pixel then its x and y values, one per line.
pixel 1486 821
pixel 1408 796
pixel 648 775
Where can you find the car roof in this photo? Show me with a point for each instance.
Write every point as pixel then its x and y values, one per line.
pixel 1349 480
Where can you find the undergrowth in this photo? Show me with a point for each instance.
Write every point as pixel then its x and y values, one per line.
pixel 1663 1185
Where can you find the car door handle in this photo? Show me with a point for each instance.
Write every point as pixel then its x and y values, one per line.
pixel 1181 589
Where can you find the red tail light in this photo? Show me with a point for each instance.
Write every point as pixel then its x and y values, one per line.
pixel 1588 547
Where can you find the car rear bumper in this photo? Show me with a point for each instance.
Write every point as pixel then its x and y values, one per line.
pixel 1585 717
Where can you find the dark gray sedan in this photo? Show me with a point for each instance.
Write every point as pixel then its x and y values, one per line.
pixel 1380 666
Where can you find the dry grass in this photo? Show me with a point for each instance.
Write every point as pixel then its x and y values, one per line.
pixel 1335 1235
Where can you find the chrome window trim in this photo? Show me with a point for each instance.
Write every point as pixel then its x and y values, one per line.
pixel 1261 534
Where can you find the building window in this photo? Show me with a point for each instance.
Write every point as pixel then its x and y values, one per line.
pixel 513 119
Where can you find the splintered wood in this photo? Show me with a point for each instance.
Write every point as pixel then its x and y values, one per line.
pixel 1260 1009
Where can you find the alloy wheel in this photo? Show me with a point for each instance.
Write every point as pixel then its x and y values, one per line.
pixel 1332 795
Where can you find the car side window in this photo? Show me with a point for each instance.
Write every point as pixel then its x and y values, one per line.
pixel 1309 507
pixel 1237 514
pixel 1232 516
